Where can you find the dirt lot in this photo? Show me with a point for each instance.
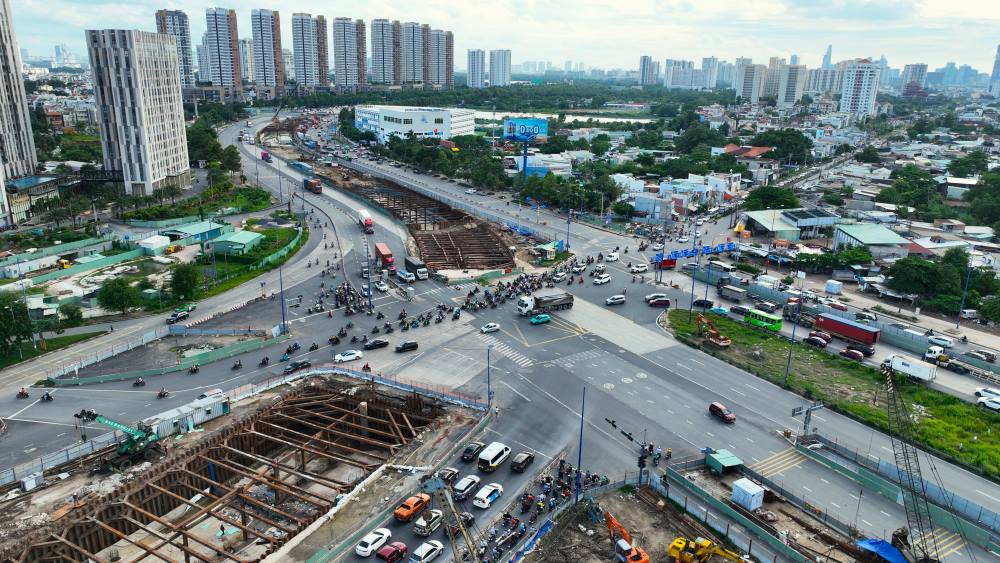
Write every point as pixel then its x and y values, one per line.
pixel 576 537
pixel 161 353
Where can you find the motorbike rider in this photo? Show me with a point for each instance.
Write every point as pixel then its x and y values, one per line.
pixel 140 381
pixel 238 364
pixel 162 393
pixel 46 396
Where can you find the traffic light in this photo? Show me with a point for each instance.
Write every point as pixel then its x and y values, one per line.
pixel 642 459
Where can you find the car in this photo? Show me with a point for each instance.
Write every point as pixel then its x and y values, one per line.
pixel 558 277
pixel 988 392
pixel 427 551
pixel 976 354
pixel 602 279
pixel 690 266
pixel 682 240
pixel 820 334
pixel 177 316
pixel 989 404
pixel 942 341
pixel 521 462
pixel 657 246
pixel 852 355
pixel 600 269
pixel 471 451
pixel 411 507
pixel 489 327
pixel 541 318
pixel 638 268
pixel 393 552
pixel 579 268
pixel 448 475
pixel 407 346
pixel 471 191
pixel 381 286
pixel 615 300
pixel 653 296
pixel 990 356
pixel 464 487
pixel 487 495
pixel 372 542
pixel 660 302
pixel 428 522
pixel 697 234
pixel 719 311
pixel 836 305
pixel 865 349
pixel 297 365
pixel 814 341
pixel 348 356
pixel 699 222
pixel 611 257
pixel 704 303
pixel 739 310
pixel 720 411
pixel 365 274
pixel 376 343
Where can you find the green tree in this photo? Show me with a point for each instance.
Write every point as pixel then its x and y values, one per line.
pixel 15 325
pixel 972 164
pixel 624 209
pixel 771 197
pixel 698 135
pixel 215 174
pixel 868 154
pixel 231 161
pixel 117 294
pixel 185 280
pixel 989 309
pixel 202 142
pixel 912 186
pixel 600 144
pixel 789 145
pixel 912 275
pixel 71 314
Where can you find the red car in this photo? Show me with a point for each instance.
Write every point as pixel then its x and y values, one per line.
pixel 852 355
pixel 820 334
pixel 660 302
pixel 718 410
pixel 395 551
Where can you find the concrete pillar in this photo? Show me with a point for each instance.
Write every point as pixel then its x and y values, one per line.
pixel 363 422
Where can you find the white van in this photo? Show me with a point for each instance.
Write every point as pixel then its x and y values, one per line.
pixel 493 456
pixel 944 341
pixel 969 314
pixel 406 276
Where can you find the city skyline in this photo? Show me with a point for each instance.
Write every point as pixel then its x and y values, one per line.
pixel 905 31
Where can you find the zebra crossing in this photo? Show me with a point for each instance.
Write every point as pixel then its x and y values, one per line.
pixel 506 350
pixel 567 362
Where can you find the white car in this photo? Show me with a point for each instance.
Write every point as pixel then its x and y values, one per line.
pixel 489 327
pixel 683 239
pixel 653 296
pixel 657 247
pixel 372 542
pixel 428 551
pixel 600 269
pixel 602 279
pixel 579 268
pixel 348 355
pixel 638 268
pixel 558 277
pixel 487 495
pixel 989 392
pixel 611 257
pixel 381 286
pixel 943 341
pixel 697 234
pixel 699 222
pixel 615 300
pixel 471 191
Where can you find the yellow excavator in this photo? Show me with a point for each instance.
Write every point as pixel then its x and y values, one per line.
pixel 713 337
pixel 625 550
pixel 700 550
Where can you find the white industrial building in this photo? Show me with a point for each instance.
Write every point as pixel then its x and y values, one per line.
pixel 440 123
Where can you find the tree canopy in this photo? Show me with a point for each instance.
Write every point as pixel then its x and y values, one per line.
pixel 789 145
pixel 972 164
pixel 771 197
pixel 117 294
pixel 868 155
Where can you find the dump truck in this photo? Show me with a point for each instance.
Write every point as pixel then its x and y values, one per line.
pixel 846 329
pixel 911 367
pixel 313 185
pixel 417 266
pixel 365 221
pixel 544 301
pixel 383 257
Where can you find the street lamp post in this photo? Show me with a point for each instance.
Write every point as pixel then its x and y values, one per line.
pixel 694 279
pixel 489 385
pixel 791 342
pixel 965 292
pixel 579 449
pixel 281 284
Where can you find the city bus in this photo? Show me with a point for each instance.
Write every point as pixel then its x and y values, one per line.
pixel 721 266
pixel 760 318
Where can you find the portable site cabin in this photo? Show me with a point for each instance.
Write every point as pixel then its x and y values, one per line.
pixel 186 418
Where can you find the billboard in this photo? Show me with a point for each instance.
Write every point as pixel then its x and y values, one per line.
pixel 524 129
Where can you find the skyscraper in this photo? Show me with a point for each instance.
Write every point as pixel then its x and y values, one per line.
pixel 794 59
pixel 995 76
pixel 914 73
pixel 246 57
pixel 204 63
pixel 137 88
pixel 17 147
pixel 412 53
pixel 476 76
pixel 222 42
pixel 323 51
pixel 439 57
pixel 306 50
pixel 386 64
pixel 269 58
pixel 791 84
pixel 828 57
pixel 288 59
pixel 500 67
pixel 861 80
pixel 709 71
pixel 774 67
pixel 750 83
pixel 647 71
pixel 350 55
pixel 175 22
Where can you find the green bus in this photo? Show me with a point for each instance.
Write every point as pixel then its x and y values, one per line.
pixel 763 320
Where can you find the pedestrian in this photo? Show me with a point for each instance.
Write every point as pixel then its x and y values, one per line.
pixel 496 411
pixel 112 327
pixel 222 530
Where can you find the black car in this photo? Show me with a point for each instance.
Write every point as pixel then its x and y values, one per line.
pixel 297 365
pixel 376 343
pixel 448 474
pixel 814 341
pixel 521 462
pixel 406 346
pixel 739 310
pixel 865 349
pixel 472 450
pixel 704 303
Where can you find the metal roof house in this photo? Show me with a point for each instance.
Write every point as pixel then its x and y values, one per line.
pixel 197 232
pixel 236 243
pixel 881 241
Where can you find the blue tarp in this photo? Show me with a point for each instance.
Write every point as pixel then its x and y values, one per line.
pixel 883 549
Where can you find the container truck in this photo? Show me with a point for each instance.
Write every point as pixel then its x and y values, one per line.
pixel 265 156
pixel 732 293
pixel 912 368
pixel 665 264
pixel 938 356
pixel 383 257
pixel 313 185
pixel 846 329
pixel 365 221
pixel 417 267
pixel 301 167
pixel 544 301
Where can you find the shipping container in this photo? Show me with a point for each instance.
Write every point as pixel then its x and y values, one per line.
pixel 748 494
pixel 847 329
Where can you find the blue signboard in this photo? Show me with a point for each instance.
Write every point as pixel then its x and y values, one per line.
pixel 524 129
pixel 693 252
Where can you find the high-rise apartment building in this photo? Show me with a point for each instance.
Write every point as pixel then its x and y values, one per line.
pixel 305 46
pixel 440 60
pixel 750 83
pixel 204 62
pixel 476 75
pixel 500 67
pixel 792 82
pixel 386 64
pixel 269 58
pixel 350 54
pixel 861 80
pixel 288 58
pixel 176 23
pixel 137 88
pixel 246 57
pixel 774 66
pixel 682 75
pixel 916 72
pixel 323 51
pixel 709 71
pixel 647 71
pixel 17 147
pixel 794 59
pixel 726 75
pixel 824 80
pixel 222 43
pixel 413 49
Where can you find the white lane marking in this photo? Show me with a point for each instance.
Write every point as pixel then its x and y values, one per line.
pixel 41 422
pixel 752 387
pixel 886 514
pixel 710 434
pixel 886 449
pixel 689 422
pixel 855 497
pixel 835 505
pixel 680 365
pixel 694 361
pixel 991 497
pixel 520 394
pixel 749 439
pixel 866 523
pixel 824 480
pixel 807 488
pixel 738 392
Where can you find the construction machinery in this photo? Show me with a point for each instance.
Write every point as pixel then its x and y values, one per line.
pixel 711 334
pixel 456 528
pixel 625 550
pixel 140 445
pixel 699 550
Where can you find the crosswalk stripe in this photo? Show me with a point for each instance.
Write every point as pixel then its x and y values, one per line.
pixel 779 462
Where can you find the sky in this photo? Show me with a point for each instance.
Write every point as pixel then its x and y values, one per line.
pixel 905 31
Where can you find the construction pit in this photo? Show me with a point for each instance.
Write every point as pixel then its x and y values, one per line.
pixel 238 489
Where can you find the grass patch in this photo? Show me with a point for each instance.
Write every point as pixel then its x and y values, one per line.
pixel 944 424
pixel 51 345
pixel 560 257
pixel 248 275
pixel 247 199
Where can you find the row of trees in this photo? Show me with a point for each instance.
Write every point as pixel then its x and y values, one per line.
pixel 119 294
pixel 939 284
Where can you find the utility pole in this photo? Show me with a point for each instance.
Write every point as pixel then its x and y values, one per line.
pixel 791 342
pixel 281 287
pixel 965 292
pixel 579 453
pixel 489 385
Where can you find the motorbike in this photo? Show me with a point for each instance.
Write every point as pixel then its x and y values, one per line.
pixel 314 347
pixel 333 340
pixel 284 357
pixel 264 362
pixel 415 324
pixel 47 397
pixel 404 326
pixel 162 394
pixel 194 369
pixel 367 368
pixel 354 339
pixel 379 316
pixel 22 395
pixel 375 330
pixel 237 365
pixel 427 322
pixel 139 383
pixel 389 329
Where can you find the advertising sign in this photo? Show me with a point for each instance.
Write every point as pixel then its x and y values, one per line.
pixel 524 129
